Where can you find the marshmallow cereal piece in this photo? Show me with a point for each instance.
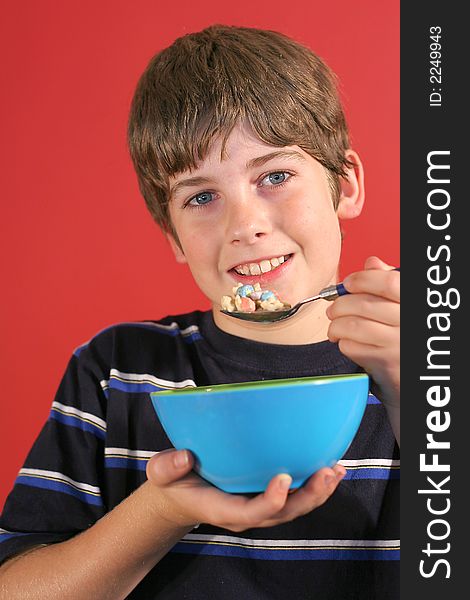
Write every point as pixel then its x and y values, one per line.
pixel 247 305
pixel 245 290
pixel 244 304
pixel 267 295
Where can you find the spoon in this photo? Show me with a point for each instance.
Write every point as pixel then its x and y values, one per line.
pixel 272 316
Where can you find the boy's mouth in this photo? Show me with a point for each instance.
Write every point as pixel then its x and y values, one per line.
pixel 262 269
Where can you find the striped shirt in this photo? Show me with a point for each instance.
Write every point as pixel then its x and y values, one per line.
pixel 102 430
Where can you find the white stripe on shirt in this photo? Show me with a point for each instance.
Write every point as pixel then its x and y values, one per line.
pixel 86 416
pixel 370 462
pixel 143 378
pixel 266 543
pixel 126 452
pixel 41 473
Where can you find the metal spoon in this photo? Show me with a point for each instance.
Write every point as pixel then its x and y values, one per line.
pixel 272 316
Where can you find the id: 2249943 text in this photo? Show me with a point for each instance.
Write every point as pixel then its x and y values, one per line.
pixel 435 69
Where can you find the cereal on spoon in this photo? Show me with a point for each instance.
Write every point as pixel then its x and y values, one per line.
pixel 251 298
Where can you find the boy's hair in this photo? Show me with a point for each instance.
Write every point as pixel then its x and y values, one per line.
pixel 201 86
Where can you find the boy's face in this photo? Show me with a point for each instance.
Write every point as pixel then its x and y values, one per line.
pixel 234 217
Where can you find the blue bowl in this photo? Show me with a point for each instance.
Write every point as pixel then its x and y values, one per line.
pixel 244 434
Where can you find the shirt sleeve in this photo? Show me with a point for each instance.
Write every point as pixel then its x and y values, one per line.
pixel 59 491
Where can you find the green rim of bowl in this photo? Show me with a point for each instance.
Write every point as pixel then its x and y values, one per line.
pixel 298 381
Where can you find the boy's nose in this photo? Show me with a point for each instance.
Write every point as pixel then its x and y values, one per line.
pixel 248 222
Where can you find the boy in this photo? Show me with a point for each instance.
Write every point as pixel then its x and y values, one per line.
pixel 242 155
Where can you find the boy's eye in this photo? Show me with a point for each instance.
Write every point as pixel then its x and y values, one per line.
pixel 201 199
pixel 275 178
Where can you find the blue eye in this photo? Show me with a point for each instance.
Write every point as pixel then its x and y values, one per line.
pixel 201 199
pixel 275 178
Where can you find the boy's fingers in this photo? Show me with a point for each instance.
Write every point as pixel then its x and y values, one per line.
pixel 378 282
pixel 363 331
pixel 314 493
pixel 367 306
pixel 374 262
pixel 275 495
pixel 254 512
pixel 168 466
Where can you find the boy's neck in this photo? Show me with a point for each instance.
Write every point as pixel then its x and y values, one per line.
pixel 308 326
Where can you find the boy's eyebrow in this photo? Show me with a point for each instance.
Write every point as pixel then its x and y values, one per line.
pixel 190 182
pixel 261 160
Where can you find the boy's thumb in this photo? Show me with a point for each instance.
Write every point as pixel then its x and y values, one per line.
pixel 168 466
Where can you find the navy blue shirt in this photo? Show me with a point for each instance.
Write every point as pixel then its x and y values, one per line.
pixel 102 429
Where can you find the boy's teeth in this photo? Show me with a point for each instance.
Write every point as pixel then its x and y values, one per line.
pixel 263 267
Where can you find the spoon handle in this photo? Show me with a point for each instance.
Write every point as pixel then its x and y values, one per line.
pixel 334 291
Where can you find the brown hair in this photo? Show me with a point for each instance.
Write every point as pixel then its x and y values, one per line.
pixel 202 85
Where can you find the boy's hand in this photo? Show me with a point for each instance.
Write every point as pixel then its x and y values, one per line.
pixel 366 324
pixel 186 499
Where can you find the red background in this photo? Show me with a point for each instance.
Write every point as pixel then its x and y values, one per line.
pixel 79 250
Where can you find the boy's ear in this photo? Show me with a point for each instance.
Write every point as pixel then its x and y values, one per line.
pixel 351 198
pixel 177 250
